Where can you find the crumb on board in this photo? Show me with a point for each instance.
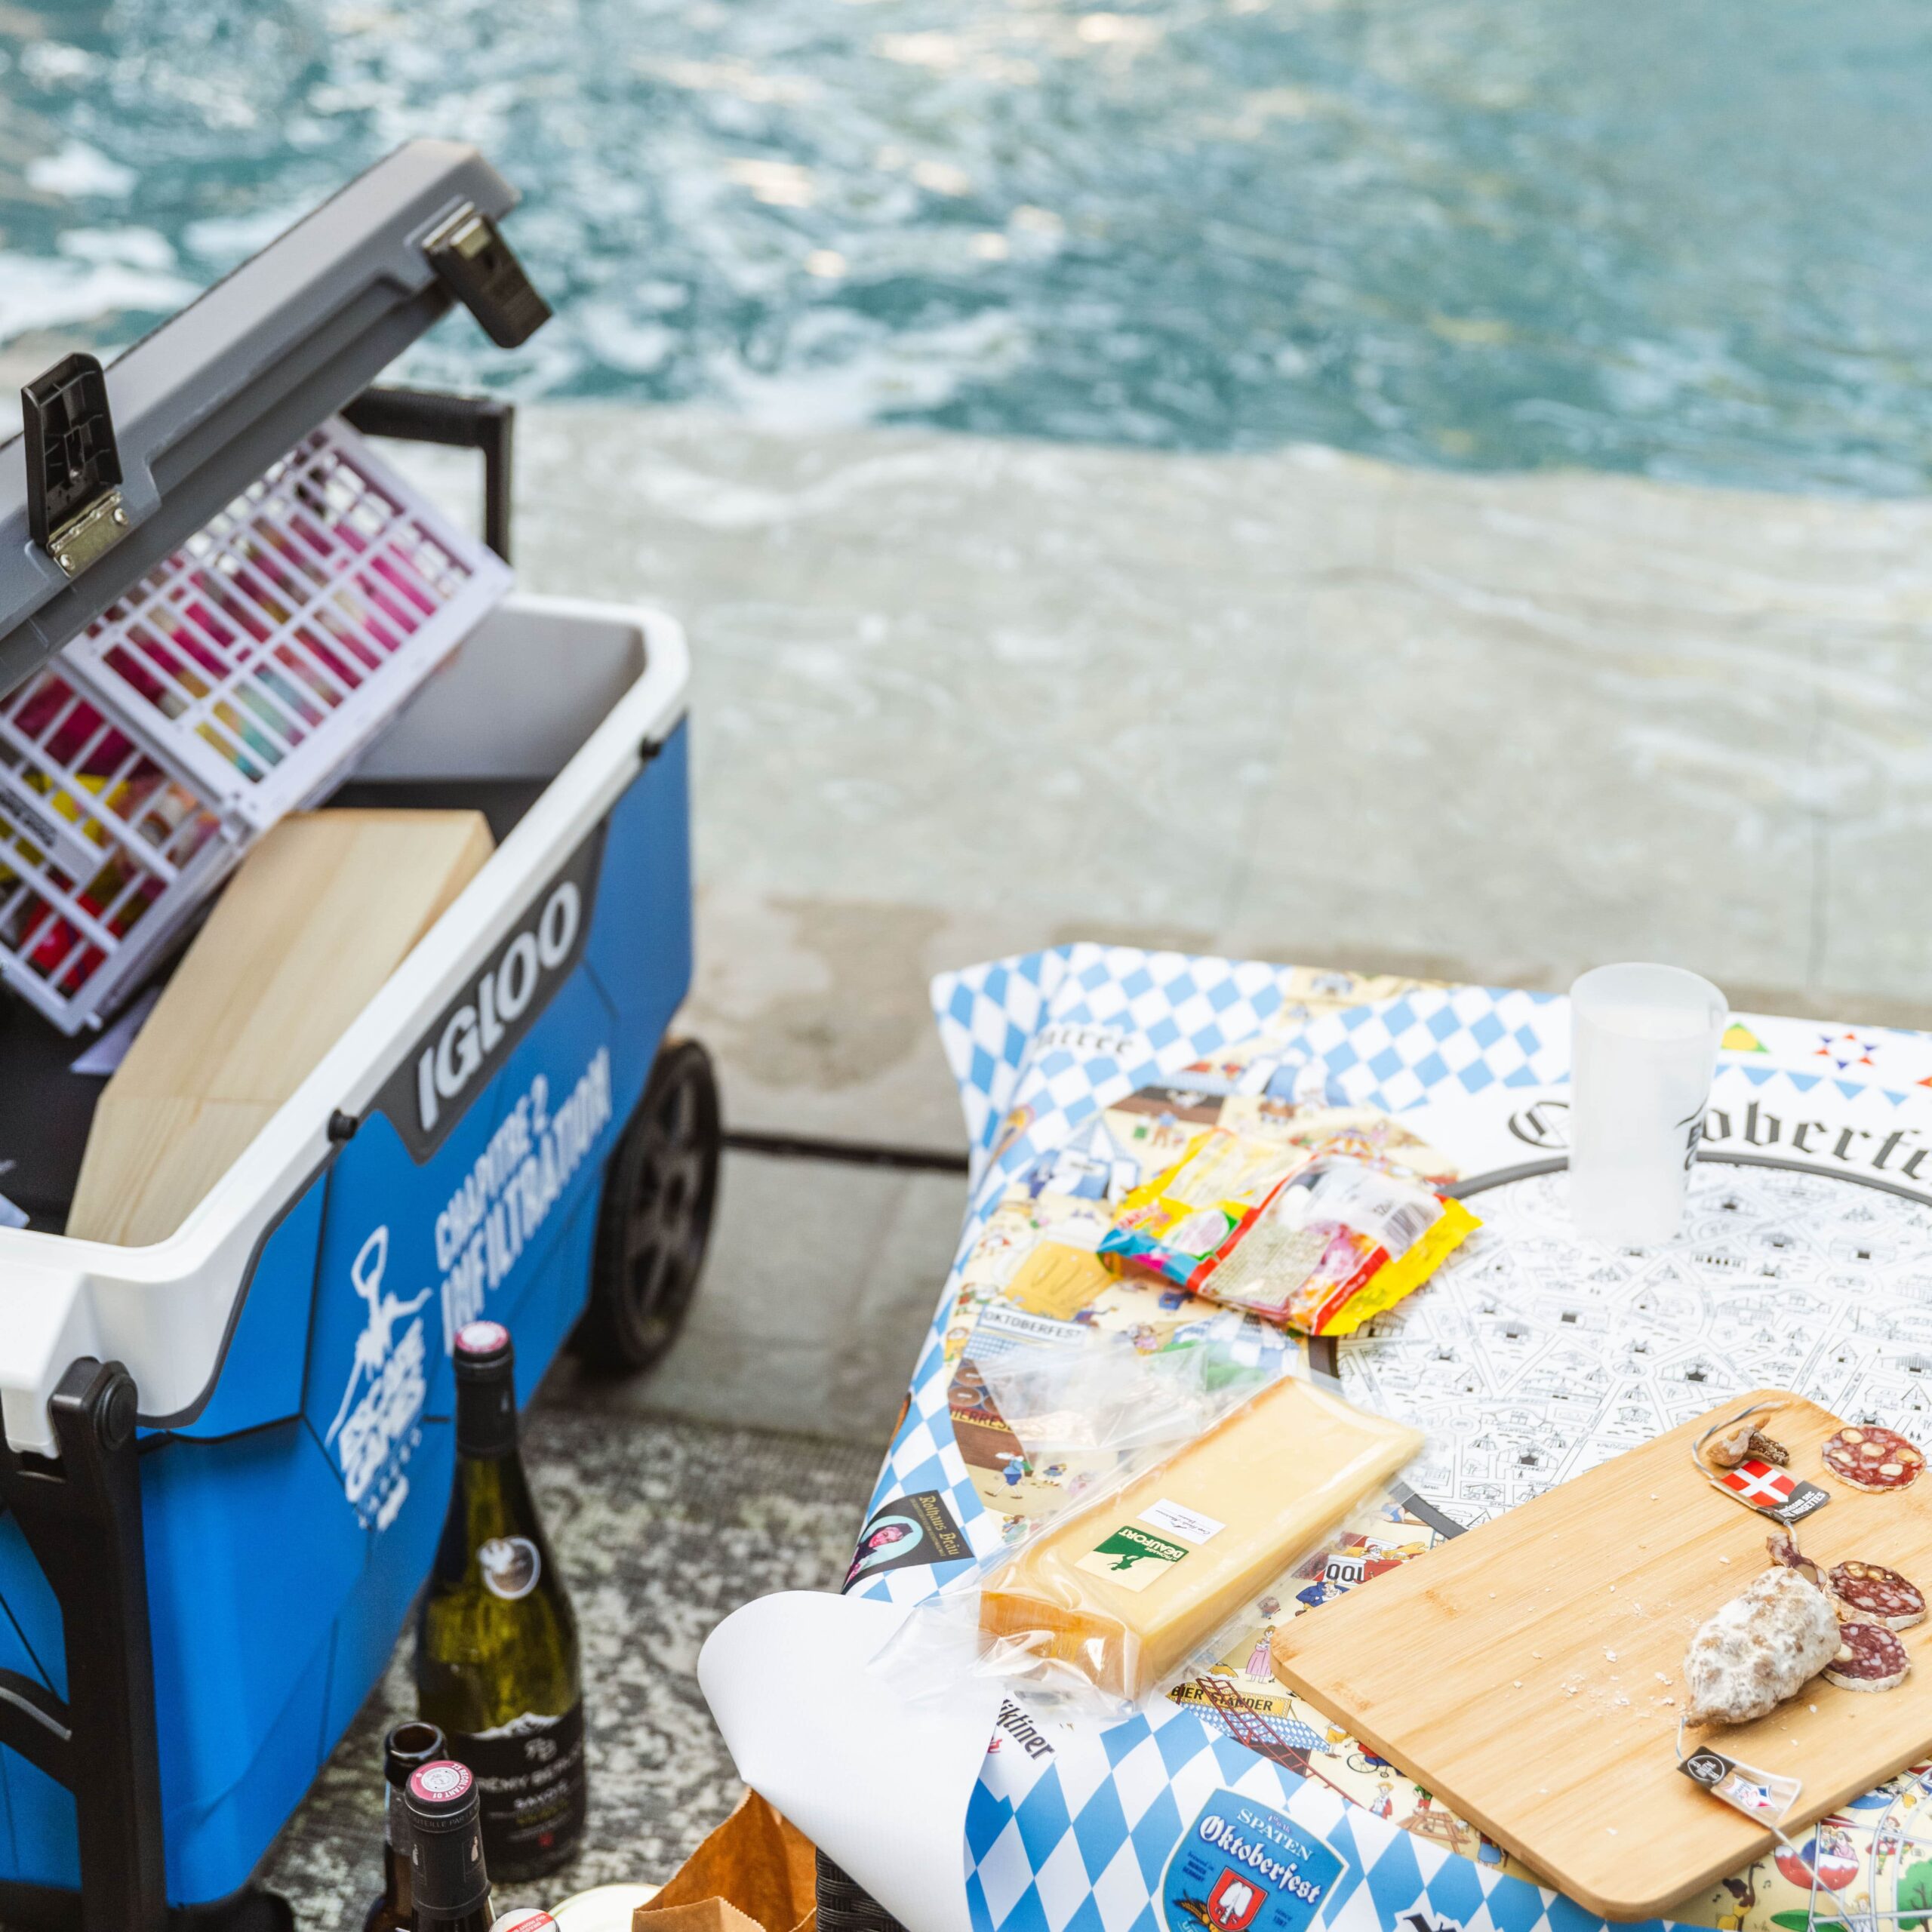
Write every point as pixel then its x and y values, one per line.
pixel 1516 1683
pixel 1611 1655
pixel 1724 1559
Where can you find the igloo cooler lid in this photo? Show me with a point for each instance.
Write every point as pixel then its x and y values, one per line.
pixel 115 469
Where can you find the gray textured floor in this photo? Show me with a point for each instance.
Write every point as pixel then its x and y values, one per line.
pixel 820 1286
pixel 661 1528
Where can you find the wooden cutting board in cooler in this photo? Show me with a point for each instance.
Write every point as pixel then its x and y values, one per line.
pixel 1530 1673
pixel 316 917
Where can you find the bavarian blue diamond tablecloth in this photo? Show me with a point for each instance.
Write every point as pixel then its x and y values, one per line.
pixel 1124 1828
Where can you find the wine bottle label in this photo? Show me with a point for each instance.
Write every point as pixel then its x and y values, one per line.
pixel 529 1773
pixel 511 1566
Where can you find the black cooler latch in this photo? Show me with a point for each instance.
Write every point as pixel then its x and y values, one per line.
pixel 479 269
pixel 74 508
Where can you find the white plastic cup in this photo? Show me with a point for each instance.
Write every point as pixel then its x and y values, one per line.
pixel 1643 1047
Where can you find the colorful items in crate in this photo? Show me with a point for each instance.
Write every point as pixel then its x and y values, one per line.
pixel 1318 1243
pixel 82 805
pixel 229 685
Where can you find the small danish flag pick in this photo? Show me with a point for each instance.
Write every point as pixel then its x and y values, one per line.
pixel 1772 1491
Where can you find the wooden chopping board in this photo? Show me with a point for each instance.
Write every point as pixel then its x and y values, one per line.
pixel 316 917
pixel 1530 1673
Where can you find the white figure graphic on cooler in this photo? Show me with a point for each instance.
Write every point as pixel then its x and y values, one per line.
pixel 372 1345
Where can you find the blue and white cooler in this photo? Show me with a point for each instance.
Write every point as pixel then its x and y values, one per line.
pixel 227 1454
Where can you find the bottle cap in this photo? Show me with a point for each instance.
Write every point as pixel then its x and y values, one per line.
pixel 448 1879
pixel 408 1744
pixel 440 1793
pixel 485 1389
pixel 481 1348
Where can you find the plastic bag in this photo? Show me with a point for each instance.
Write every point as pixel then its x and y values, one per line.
pixel 1109 1396
pixel 1104 1599
pixel 1337 1244
pixel 1319 1244
pixel 1179 1223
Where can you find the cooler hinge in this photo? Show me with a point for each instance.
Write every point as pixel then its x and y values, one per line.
pixel 74 508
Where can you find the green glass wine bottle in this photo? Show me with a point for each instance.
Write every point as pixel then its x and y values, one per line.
pixel 497 1664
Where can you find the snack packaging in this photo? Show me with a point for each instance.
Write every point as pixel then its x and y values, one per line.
pixel 1319 1244
pixel 1181 1223
pixel 1103 1600
pixel 1336 1244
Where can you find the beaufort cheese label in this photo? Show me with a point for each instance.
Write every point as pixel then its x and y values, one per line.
pixel 1132 1557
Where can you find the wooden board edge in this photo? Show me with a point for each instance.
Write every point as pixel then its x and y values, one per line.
pixel 1619 1910
pixel 1808 1813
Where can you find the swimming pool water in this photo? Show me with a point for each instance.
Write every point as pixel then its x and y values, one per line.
pixel 1690 238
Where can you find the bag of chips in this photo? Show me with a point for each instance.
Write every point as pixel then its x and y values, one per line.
pixel 1317 1244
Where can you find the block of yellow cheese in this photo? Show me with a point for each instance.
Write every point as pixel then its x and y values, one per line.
pixel 1126 1586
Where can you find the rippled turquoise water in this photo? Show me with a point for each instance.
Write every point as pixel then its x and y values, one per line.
pixel 1688 237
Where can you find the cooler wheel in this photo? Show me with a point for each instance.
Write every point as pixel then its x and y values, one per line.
pixel 654 1219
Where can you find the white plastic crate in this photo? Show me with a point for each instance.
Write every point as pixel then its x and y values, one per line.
pixel 234 683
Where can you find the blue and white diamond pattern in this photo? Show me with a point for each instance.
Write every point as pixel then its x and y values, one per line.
pixel 1078 1842
pixel 988 1015
pixel 1040 1043
pixel 1398 1054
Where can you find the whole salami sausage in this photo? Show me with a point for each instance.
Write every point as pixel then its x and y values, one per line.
pixel 1869 1657
pixel 1870 1593
pixel 1871 1458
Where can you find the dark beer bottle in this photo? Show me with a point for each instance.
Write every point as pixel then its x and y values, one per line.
pixel 408 1744
pixel 495 1641
pixel 449 1875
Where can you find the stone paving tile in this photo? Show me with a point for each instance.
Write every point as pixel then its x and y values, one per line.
pixel 663 1529
pixel 820 1285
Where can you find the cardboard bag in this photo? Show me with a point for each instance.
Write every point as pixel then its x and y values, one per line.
pixel 755 1873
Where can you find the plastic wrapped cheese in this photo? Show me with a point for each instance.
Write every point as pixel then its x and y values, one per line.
pixel 1123 1588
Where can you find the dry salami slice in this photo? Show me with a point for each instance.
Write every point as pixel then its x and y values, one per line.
pixel 1871 1458
pixel 1870 1593
pixel 1869 1657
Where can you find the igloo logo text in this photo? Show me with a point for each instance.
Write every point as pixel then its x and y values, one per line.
pixel 455 1057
